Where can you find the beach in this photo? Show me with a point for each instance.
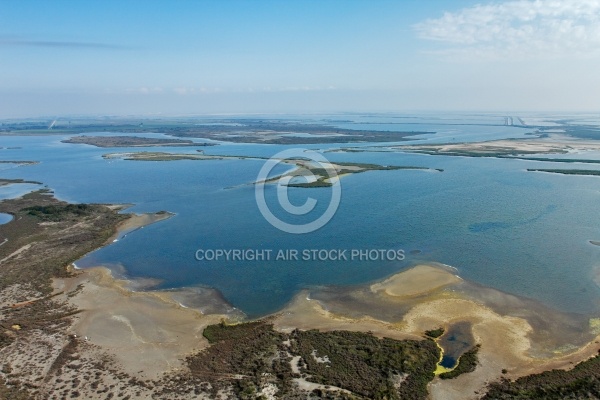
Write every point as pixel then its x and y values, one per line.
pixel 143 335
pixel 149 333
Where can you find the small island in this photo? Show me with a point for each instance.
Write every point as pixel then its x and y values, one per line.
pixel 163 156
pixel 314 174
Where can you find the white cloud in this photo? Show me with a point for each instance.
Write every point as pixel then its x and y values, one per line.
pixel 518 28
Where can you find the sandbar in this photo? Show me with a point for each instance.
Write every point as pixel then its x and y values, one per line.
pixel 416 281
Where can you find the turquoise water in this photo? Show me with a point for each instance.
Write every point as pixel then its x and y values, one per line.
pixel 522 232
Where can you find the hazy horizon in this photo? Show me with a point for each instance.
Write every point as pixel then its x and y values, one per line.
pixel 235 57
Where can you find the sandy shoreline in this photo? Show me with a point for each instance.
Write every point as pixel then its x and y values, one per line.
pixel 506 341
pixel 136 221
pixel 149 332
pixel 128 339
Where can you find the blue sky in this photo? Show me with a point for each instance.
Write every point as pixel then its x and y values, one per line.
pixel 202 57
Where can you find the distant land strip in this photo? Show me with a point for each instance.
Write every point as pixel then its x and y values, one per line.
pixel 588 172
pixel 132 141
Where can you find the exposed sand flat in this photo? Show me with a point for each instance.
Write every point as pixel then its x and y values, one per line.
pixel 147 332
pixel 505 344
pixel 505 340
pixel 416 281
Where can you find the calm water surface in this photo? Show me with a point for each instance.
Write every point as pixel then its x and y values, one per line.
pixel 522 232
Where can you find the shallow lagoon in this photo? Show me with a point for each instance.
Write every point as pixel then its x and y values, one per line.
pixel 499 225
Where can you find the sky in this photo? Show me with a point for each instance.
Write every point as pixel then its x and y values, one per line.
pixel 68 58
